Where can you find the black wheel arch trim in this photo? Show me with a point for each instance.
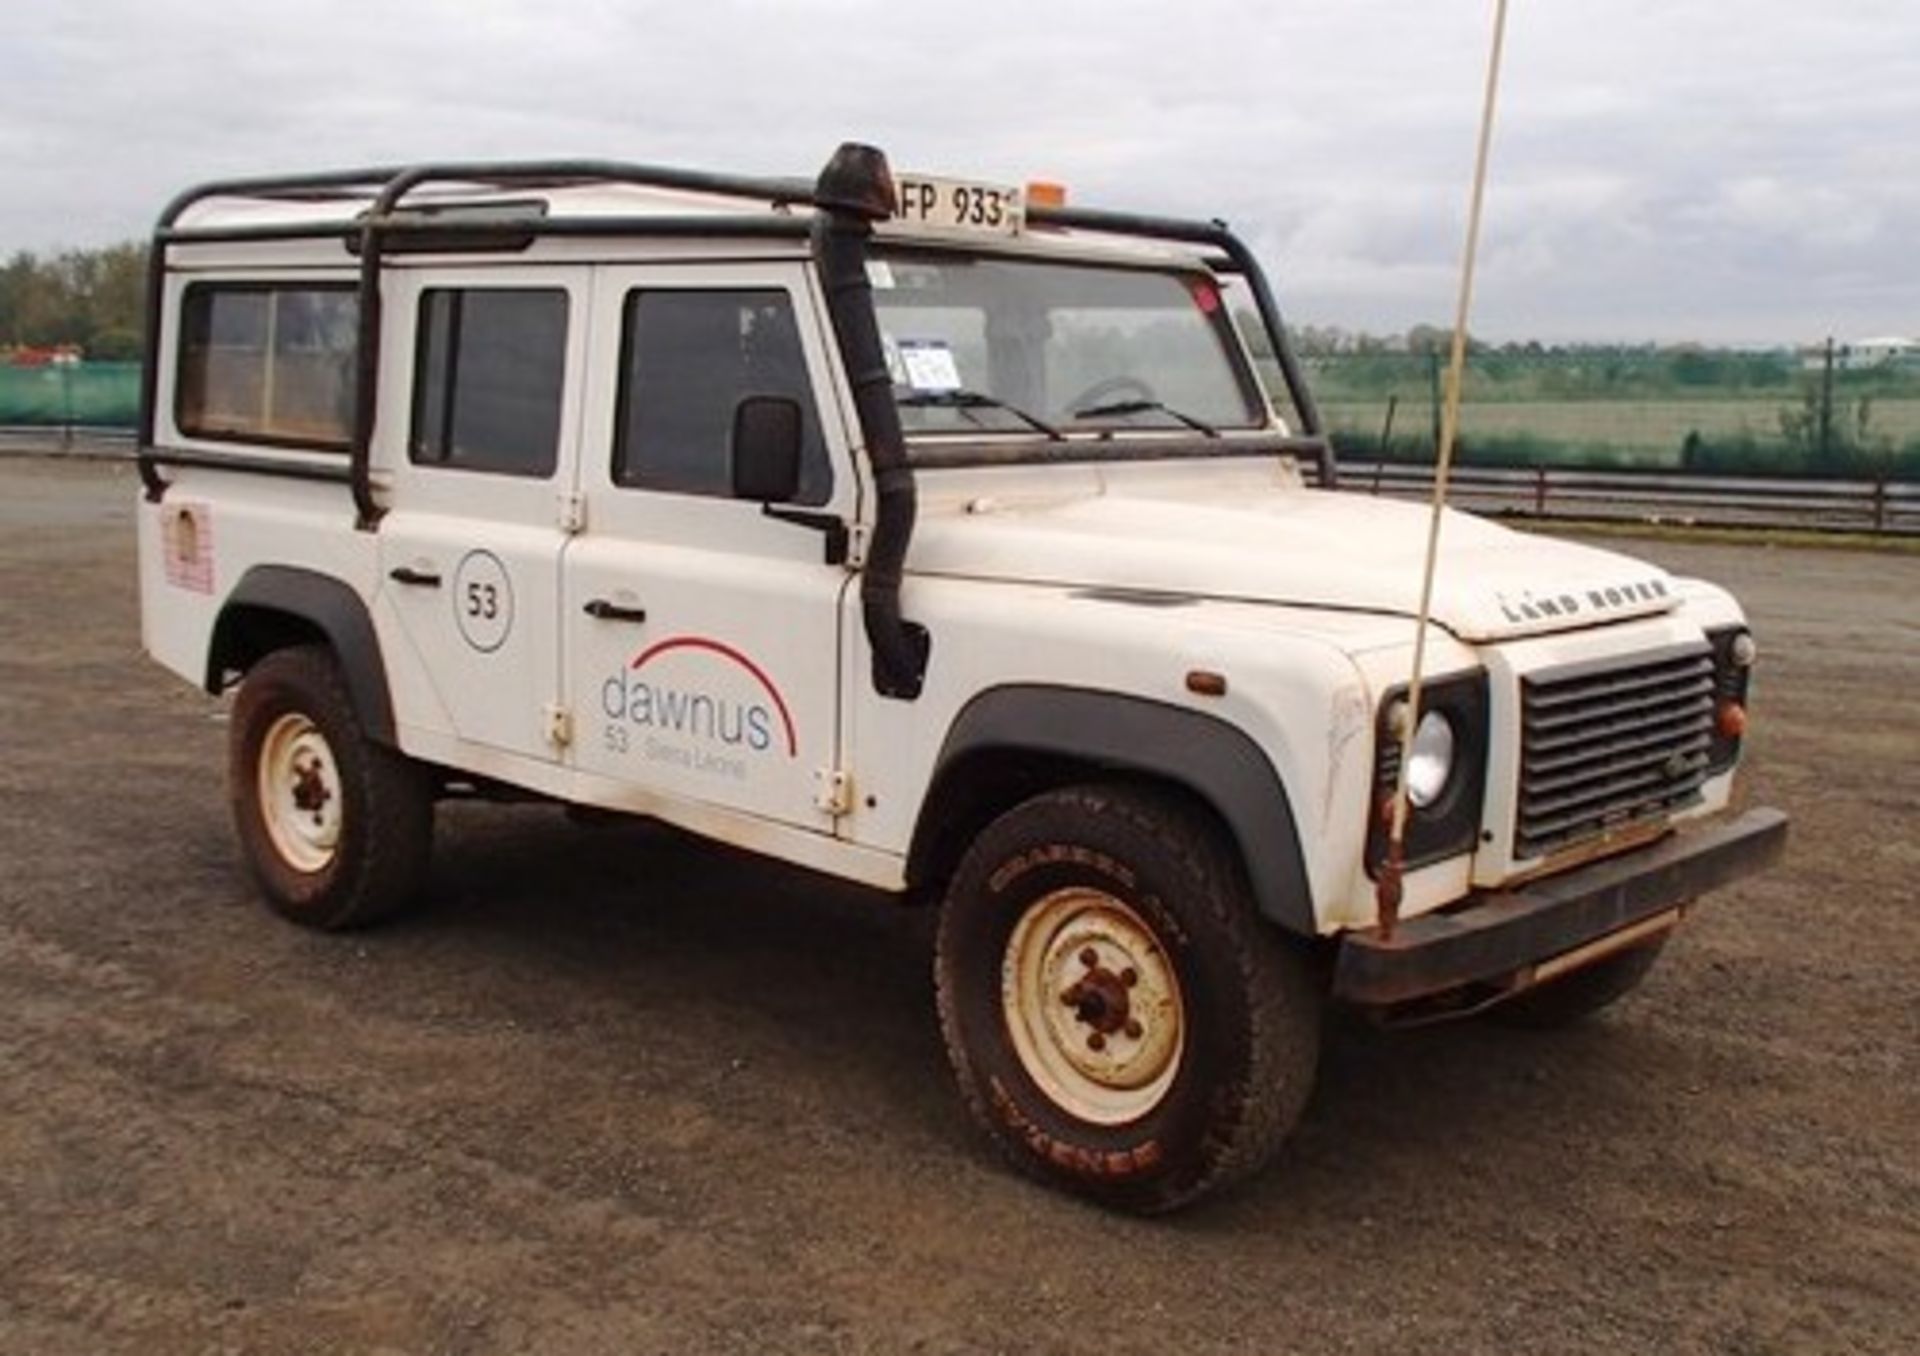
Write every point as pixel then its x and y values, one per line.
pixel 1214 760
pixel 329 606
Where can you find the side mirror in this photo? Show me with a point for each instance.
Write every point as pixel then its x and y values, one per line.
pixel 767 433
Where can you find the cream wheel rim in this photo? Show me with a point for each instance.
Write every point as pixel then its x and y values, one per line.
pixel 1093 1006
pixel 299 793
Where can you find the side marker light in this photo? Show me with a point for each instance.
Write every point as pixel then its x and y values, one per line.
pixel 1206 683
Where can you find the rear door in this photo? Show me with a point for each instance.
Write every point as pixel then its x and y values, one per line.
pixel 702 632
pixel 471 547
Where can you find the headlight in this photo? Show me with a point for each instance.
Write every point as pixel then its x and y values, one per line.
pixel 1446 770
pixel 1431 763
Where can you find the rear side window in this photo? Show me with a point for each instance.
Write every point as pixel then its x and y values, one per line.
pixel 489 371
pixel 268 363
pixel 688 359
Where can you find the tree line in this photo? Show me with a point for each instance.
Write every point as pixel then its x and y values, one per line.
pixel 93 299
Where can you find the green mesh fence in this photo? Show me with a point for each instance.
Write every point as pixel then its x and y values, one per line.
pixel 87 395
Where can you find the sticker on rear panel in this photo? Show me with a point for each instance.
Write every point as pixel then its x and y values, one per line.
pixel 186 542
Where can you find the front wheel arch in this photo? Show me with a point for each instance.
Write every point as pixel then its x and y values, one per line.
pixel 1010 743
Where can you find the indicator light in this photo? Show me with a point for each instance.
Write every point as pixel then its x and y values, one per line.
pixel 1206 683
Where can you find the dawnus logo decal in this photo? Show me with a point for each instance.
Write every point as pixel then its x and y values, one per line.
pixel 700 704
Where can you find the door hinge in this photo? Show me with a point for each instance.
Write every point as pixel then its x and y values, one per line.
pixel 856 544
pixel 572 510
pixel 832 790
pixel 559 722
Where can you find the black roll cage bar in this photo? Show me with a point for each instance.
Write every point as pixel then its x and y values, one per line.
pixel 853 193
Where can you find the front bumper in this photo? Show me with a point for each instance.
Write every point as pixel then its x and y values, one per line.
pixel 1498 937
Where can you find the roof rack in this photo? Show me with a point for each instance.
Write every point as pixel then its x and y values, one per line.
pixel 386 188
pixel 388 185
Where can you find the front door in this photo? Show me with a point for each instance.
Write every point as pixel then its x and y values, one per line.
pixel 702 633
pixel 470 549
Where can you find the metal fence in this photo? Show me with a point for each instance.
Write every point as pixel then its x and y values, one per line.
pixel 1879 507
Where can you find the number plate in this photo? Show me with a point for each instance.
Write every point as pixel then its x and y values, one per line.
pixel 927 203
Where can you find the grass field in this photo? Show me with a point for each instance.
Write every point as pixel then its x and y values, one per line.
pixel 1643 432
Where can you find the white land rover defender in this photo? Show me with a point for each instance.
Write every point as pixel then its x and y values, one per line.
pixel 929 535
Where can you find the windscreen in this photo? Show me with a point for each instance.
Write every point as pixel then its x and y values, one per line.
pixel 1000 345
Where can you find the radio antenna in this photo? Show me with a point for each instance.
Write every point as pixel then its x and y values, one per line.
pixel 1388 889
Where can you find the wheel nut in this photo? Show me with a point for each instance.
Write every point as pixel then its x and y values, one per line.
pixel 1096 1041
pixel 1129 976
pixel 1089 957
pixel 1133 1030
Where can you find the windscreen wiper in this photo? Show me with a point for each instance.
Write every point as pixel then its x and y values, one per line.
pixel 961 399
pixel 1114 407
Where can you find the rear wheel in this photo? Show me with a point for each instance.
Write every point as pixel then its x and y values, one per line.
pixel 337 829
pixel 1585 991
pixel 1119 1019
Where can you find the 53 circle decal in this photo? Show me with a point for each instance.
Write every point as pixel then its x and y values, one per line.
pixel 483 601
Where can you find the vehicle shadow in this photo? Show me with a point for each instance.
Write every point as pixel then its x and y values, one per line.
pixel 706 957
pixel 693 952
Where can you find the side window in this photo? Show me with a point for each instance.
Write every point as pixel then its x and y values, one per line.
pixel 688 358
pixel 489 369
pixel 266 362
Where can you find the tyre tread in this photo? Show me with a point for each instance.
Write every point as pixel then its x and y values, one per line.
pixel 387 870
pixel 1283 1009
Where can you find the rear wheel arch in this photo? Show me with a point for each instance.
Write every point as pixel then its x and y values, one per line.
pixel 274 607
pixel 1011 743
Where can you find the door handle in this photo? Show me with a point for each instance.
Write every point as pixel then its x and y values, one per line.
pixel 603 610
pixel 406 574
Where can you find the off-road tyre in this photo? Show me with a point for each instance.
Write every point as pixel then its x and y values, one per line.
pixel 376 860
pixel 1572 997
pixel 1249 1005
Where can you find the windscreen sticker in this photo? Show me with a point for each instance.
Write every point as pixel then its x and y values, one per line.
pixel 186 541
pixel 880 274
pixel 930 366
pixel 896 368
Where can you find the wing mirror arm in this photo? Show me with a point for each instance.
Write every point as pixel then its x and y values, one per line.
pixel 769 435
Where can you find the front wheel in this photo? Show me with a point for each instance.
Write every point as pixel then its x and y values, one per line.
pixel 336 828
pixel 1119 1019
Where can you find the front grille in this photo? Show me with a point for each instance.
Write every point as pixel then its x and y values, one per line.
pixel 1606 746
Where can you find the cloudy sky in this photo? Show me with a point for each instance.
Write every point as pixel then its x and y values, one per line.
pixel 1670 169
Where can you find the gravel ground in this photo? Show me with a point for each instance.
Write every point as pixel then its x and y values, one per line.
pixel 615 1092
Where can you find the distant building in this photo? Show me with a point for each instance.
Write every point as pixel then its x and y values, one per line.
pixel 1859 355
pixel 56 355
